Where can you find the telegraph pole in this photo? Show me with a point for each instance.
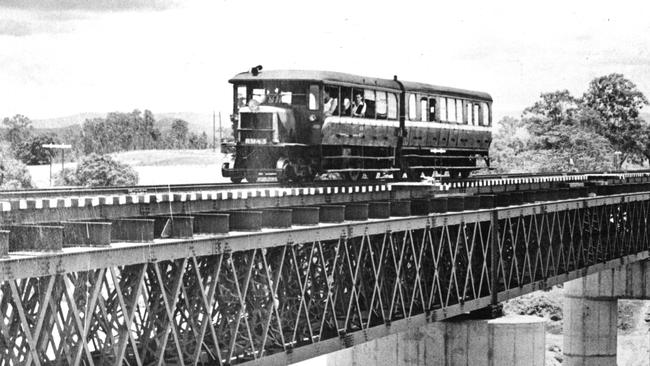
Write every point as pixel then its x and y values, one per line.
pixel 220 129
pixel 214 145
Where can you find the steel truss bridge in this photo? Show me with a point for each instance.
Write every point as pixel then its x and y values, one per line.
pixel 284 295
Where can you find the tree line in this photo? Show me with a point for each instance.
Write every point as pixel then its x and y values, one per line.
pixel 599 131
pixel 118 131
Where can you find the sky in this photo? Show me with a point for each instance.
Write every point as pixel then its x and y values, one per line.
pixel 63 57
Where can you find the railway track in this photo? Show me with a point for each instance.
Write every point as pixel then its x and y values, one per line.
pixel 445 183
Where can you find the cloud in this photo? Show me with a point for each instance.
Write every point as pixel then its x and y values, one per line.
pixel 25 27
pixel 21 18
pixel 88 5
pixel 15 28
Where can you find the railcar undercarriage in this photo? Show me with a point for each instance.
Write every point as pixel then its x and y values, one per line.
pixel 303 163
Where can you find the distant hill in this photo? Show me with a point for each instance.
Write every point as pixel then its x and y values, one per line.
pixel 60 122
pixel 197 122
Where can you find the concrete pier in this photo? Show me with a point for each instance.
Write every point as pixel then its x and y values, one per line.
pixel 505 341
pixel 590 319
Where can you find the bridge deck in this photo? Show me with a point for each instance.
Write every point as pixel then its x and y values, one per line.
pixel 286 295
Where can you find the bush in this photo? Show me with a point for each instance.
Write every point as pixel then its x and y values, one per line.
pixel 99 171
pixel 13 173
pixel 629 314
pixel 32 152
pixel 544 304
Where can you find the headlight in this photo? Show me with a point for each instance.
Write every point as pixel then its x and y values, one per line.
pixel 312 117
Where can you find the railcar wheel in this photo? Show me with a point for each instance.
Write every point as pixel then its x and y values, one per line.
pixel 414 175
pixel 236 180
pixel 353 176
pixel 454 174
pixel 251 177
pixel 464 174
pixel 287 171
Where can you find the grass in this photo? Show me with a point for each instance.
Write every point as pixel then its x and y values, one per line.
pixel 156 167
pixel 169 157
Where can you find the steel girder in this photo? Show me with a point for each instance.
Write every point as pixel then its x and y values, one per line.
pixel 286 295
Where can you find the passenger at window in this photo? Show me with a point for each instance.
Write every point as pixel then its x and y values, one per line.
pixel 330 104
pixel 359 106
pixel 347 107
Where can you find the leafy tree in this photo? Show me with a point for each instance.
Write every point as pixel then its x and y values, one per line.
pixel 99 171
pixel 150 134
pixel 562 136
pixel 510 140
pixel 32 151
pixel 13 173
pixel 618 101
pixel 19 128
pixel 554 107
pixel 198 141
pixel 179 134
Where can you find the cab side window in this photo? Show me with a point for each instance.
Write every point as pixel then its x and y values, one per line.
pixel 242 98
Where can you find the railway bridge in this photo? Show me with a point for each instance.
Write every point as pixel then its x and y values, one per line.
pixel 280 275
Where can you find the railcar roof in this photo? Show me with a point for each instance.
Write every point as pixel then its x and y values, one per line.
pixel 333 76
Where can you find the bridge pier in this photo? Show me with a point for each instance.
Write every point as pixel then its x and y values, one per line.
pixel 498 342
pixel 590 319
pixel 591 312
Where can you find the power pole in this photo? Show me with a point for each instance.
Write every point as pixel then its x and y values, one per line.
pixel 220 129
pixel 214 145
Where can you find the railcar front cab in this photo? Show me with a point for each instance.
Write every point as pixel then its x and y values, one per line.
pixel 276 126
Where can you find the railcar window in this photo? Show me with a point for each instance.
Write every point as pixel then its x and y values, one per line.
pixel 475 111
pixel 346 101
pixel 413 113
pixel 381 107
pixel 443 109
pixel 241 96
pixel 392 106
pixel 313 97
pixel 451 110
pixel 278 95
pixel 285 97
pixel 459 111
pixel 424 107
pixel 369 99
pixel 486 114
pixel 259 95
pixel 432 109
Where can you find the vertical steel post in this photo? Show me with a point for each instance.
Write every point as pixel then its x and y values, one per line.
pixel 494 256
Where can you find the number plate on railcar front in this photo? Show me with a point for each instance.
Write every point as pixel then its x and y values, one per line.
pixel 255 141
